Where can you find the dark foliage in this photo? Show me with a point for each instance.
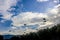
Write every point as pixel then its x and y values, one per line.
pixel 45 34
pixel 15 38
pixel 1 37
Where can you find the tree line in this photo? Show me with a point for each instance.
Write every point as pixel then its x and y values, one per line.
pixel 45 34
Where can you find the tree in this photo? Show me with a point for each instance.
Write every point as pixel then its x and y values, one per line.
pixel 1 37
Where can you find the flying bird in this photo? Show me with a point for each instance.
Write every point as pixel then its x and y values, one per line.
pixel 44 19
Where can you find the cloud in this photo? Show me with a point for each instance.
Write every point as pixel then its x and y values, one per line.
pixel 6 6
pixel 42 0
pixel 27 18
pixel 32 20
pixel 9 3
pixel 56 1
pixel 6 16
pixel 54 14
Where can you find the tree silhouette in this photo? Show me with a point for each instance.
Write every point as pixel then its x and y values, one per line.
pixel 15 38
pixel 44 34
pixel 1 37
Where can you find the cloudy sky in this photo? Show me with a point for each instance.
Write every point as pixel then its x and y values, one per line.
pixel 25 16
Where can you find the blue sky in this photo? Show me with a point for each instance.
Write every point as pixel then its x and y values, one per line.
pixel 34 6
pixel 15 14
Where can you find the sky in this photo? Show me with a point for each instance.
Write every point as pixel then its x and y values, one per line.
pixel 19 17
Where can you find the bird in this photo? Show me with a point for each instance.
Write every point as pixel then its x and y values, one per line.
pixel 24 24
pixel 44 19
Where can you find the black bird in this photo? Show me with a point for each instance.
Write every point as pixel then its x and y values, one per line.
pixel 44 19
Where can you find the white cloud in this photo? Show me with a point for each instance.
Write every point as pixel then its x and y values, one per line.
pixel 56 1
pixel 54 14
pixel 30 18
pixel 42 0
pixel 27 18
pixel 7 16
pixel 6 4
pixel 9 3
